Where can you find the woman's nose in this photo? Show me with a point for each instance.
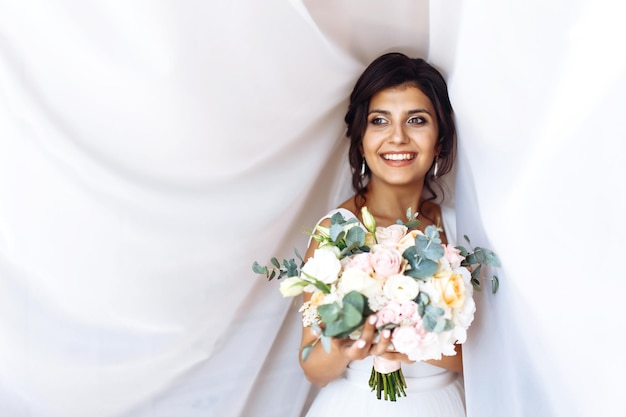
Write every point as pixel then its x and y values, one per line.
pixel 398 135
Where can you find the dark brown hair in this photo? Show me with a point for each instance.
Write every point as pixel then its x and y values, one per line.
pixel 392 70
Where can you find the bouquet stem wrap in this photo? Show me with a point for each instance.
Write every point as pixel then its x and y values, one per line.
pixel 387 379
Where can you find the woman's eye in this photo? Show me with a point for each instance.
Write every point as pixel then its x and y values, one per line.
pixel 378 121
pixel 417 120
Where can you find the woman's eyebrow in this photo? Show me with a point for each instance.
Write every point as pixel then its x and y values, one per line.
pixel 413 111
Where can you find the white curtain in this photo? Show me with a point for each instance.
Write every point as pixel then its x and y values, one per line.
pixel 150 151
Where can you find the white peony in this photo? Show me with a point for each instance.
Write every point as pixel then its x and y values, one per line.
pixel 355 279
pixel 401 288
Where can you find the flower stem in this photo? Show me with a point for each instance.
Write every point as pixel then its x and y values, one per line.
pixel 388 386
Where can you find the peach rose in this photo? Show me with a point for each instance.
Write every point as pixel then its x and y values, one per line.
pixel 451 287
pixel 408 240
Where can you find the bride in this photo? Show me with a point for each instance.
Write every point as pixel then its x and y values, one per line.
pixel 402 139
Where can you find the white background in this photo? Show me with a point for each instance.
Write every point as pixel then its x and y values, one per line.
pixel 150 151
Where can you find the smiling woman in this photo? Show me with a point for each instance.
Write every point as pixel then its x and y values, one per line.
pixel 402 139
pixel 400 142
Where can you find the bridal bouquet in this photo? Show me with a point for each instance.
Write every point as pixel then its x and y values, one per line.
pixel 418 288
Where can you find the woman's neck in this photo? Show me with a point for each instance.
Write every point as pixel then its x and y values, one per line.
pixel 388 204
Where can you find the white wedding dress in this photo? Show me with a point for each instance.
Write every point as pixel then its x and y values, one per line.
pixel 431 391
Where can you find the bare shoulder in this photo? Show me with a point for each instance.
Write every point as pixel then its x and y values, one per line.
pixel 350 204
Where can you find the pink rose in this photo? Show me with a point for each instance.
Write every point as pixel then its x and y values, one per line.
pixel 453 256
pixel 390 235
pixel 386 261
pixel 390 313
pixel 359 261
pixel 409 312
pixel 406 339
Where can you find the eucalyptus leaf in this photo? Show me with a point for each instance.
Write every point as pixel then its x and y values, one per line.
pixel 476 272
pixel 259 269
pixel 352 317
pixel 462 250
pixel 325 343
pixel 433 234
pixel 432 316
pixel 356 299
pixel 337 218
pixel 423 269
pixel 491 258
pixel 275 263
pixel 329 312
pixel 306 351
pixel 299 256
pixel 428 248
pixel 356 236
pixel 495 284
pixel 336 232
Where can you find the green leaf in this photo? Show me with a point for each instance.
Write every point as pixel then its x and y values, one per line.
pixel 299 257
pixel 329 312
pixel 352 317
pixel 463 251
pixel 356 299
pixel 306 351
pixel 337 218
pixel 491 258
pixel 341 321
pixel 259 269
pixel 355 236
pixel 292 268
pixel 495 284
pixel 336 232
pixel 428 247
pixel 476 272
pixel 325 343
pixel 432 316
pixel 418 266
pixel 275 263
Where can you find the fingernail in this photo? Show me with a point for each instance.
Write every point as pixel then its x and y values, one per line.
pixel 386 333
pixel 360 344
pixel 372 320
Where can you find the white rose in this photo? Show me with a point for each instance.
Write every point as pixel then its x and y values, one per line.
pixel 323 266
pixel 401 288
pixel 355 279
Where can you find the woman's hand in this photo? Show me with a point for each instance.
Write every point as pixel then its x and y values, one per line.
pixel 365 345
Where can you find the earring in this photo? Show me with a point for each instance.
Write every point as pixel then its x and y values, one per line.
pixel 363 168
pixel 436 168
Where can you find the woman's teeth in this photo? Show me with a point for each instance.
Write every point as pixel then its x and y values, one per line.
pixel 398 156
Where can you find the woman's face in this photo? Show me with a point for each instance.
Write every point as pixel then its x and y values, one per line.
pixel 400 140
